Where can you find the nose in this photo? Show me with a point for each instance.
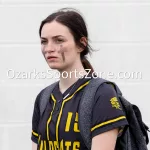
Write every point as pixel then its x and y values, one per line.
pixel 50 47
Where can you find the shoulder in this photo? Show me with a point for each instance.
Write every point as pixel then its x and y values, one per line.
pixel 38 97
pixel 46 89
pixel 105 89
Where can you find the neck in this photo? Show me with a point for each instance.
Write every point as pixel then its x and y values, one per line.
pixel 70 76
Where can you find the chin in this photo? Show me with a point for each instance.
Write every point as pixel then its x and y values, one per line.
pixel 54 66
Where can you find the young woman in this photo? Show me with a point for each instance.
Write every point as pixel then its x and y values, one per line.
pixel 64 44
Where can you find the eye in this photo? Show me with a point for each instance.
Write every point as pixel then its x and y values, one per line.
pixel 43 41
pixel 59 40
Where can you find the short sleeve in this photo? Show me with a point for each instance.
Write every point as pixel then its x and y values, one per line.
pixel 35 120
pixel 107 111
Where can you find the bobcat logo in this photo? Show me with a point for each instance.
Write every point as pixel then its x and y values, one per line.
pixel 115 103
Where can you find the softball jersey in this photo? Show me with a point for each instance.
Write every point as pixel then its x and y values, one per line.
pixel 58 128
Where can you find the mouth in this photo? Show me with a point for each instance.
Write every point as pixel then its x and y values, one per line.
pixel 51 57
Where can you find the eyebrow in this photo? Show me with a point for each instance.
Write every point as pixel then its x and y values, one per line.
pixel 44 38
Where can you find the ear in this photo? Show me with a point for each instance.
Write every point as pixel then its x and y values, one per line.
pixel 83 40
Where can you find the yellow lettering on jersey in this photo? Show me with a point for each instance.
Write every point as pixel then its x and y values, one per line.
pixel 44 145
pixel 67 144
pixel 68 122
pixel 51 147
pixel 56 146
pixel 41 145
pixel 115 103
pixel 61 145
pixel 76 126
pixel 76 119
pixel 76 145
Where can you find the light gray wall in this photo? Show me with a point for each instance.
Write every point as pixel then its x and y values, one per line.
pixel 120 30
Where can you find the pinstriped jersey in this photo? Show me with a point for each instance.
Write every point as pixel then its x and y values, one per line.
pixel 58 128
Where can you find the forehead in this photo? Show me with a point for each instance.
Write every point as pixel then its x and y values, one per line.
pixel 54 28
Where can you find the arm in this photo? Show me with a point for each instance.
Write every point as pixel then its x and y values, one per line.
pixel 35 123
pixel 108 119
pixel 105 141
pixel 34 146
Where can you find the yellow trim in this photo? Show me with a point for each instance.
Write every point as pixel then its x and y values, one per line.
pixel 120 130
pixel 107 122
pixel 50 116
pixel 65 100
pixel 39 138
pixel 34 133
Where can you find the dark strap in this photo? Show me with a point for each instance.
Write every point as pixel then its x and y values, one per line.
pixel 85 109
pixel 86 106
pixel 45 96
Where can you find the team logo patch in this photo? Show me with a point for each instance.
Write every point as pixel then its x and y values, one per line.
pixel 115 103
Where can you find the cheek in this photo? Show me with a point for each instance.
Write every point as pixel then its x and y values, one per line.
pixel 64 50
pixel 69 53
pixel 70 48
pixel 42 49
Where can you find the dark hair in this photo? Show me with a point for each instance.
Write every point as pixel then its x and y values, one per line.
pixel 76 24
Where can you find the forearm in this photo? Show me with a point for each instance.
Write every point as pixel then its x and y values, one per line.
pixel 34 146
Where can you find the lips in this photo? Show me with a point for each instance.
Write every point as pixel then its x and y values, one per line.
pixel 50 57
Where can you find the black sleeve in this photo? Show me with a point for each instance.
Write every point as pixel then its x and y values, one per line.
pixel 35 120
pixel 107 111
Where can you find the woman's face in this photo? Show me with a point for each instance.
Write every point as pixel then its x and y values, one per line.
pixel 57 41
